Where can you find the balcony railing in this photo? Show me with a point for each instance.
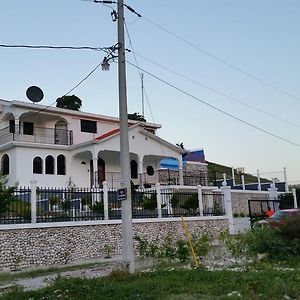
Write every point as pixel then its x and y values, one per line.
pixel 40 135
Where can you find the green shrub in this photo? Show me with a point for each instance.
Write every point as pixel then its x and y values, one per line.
pixel 191 203
pixel 97 207
pixel 270 241
pixel 182 251
pixel 150 203
pixel 66 204
pixel 291 228
pixel 6 195
pixel 54 200
pixel 86 200
pixel 201 244
pixel 172 250
pixel 235 243
pixel 174 200
pixel 19 208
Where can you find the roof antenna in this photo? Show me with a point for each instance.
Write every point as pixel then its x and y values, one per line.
pixel 143 105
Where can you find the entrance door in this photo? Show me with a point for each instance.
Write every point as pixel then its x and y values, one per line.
pixel 101 172
pixel 61 133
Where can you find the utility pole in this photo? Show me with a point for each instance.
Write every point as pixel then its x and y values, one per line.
pixel 127 229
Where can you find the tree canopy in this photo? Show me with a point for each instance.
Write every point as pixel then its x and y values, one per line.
pixel 69 102
pixel 136 117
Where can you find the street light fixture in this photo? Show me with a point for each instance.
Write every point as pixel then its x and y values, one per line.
pixel 105 64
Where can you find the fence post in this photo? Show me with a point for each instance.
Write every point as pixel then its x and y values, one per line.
pixel 200 200
pixel 158 197
pixel 285 180
pixel 226 192
pixel 258 180
pixel 295 198
pixel 273 195
pixel 243 181
pixel 33 201
pixel 105 199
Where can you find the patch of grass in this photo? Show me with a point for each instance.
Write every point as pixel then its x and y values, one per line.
pixel 176 284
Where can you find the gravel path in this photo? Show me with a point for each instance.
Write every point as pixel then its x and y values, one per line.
pixel 38 282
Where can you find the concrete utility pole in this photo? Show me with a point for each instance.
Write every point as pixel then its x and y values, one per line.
pixel 127 229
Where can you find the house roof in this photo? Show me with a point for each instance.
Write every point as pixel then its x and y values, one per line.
pixel 74 113
pixel 116 132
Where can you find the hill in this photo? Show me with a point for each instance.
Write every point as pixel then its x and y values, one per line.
pixel 216 171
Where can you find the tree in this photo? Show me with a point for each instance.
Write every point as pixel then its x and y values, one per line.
pixel 69 102
pixel 6 195
pixel 136 117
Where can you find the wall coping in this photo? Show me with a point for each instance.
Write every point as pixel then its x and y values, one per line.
pixel 249 192
pixel 104 222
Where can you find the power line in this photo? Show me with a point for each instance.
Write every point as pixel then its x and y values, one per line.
pixel 216 91
pixel 282 91
pixel 141 77
pixel 54 47
pixel 214 107
pixel 72 89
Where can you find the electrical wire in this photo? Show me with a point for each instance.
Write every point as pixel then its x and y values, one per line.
pixel 217 92
pixel 71 90
pixel 140 75
pixel 54 47
pixel 282 91
pixel 214 107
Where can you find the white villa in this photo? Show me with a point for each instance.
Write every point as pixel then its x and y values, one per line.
pixel 52 145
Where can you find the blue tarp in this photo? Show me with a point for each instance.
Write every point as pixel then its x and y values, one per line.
pixel 193 156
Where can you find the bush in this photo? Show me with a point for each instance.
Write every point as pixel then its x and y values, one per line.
pixel 291 228
pixel 172 250
pixel 6 195
pixel 269 241
pixel 150 203
pixel 174 200
pixel 97 208
pixel 191 203
pixel 86 200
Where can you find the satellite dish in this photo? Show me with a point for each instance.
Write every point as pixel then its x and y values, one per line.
pixel 34 94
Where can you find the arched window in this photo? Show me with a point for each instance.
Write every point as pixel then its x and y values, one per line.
pixel 37 165
pixel 61 165
pixel 150 171
pixel 49 164
pixel 134 169
pixel 5 165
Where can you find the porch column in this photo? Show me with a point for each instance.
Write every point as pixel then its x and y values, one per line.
pixel 17 125
pixel 95 175
pixel 140 170
pixel 180 165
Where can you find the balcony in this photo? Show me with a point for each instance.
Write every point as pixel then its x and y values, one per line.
pixel 39 135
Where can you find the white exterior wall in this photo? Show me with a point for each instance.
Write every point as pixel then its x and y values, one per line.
pixel 12 177
pixel 24 165
pixel 81 137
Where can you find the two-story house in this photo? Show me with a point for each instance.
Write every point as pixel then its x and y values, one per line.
pixel 52 145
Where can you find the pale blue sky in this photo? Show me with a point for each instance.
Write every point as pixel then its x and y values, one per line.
pixel 259 37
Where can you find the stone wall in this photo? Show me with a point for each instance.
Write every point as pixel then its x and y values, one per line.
pixel 23 248
pixel 239 200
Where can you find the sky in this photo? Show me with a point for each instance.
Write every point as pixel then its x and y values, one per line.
pixel 218 74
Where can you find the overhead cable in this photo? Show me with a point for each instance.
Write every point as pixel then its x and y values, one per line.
pixel 280 90
pixel 217 92
pixel 214 107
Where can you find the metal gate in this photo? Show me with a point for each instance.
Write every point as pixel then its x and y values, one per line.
pixel 258 209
